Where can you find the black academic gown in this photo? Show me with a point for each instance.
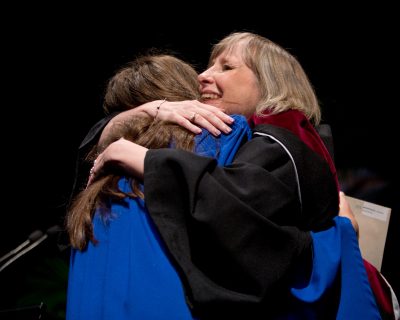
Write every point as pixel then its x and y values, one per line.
pixel 237 234
pixel 233 231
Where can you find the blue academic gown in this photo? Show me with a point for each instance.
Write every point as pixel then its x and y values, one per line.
pixel 129 274
pixel 338 287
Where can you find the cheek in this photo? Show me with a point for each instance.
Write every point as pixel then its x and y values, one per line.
pixel 247 102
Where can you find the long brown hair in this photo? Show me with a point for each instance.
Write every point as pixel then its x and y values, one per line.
pixel 147 78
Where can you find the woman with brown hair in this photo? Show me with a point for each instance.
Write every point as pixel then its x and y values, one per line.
pixel 120 267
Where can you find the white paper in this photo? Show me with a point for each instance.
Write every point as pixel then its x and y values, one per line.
pixel 373 221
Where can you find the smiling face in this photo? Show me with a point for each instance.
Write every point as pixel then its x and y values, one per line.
pixel 230 84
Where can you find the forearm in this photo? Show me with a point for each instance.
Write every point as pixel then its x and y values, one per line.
pixel 124 155
pixel 190 114
pixel 132 161
pixel 184 193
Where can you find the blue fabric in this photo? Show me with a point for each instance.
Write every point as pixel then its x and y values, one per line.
pixel 225 148
pixel 338 287
pixel 128 274
pixel 356 300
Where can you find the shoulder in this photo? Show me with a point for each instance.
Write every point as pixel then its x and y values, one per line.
pixel 276 144
pixel 94 133
pixel 239 118
pixel 277 134
pixel 240 127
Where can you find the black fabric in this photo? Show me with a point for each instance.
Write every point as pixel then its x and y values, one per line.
pixel 82 167
pixel 92 137
pixel 94 133
pixel 234 231
pixel 325 132
pixel 223 227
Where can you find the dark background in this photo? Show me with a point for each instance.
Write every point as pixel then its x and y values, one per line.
pixel 56 66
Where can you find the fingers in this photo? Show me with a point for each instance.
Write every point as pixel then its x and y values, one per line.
pixel 94 171
pixel 91 177
pixel 346 211
pixel 200 115
pixel 193 118
pixel 199 121
pixel 214 121
pixel 194 115
pixel 214 115
pixel 90 181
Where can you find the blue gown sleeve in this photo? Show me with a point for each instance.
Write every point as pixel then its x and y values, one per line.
pixel 338 272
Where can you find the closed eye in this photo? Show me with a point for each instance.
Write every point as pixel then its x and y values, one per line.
pixel 226 67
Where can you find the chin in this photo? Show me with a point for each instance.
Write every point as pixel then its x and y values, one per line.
pixel 214 103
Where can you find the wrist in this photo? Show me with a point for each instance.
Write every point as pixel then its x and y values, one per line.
pixel 134 161
pixel 158 108
pixel 152 108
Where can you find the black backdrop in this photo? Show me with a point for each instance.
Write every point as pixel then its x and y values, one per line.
pixel 57 65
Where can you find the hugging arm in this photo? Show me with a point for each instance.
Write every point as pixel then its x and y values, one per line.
pixel 217 228
pixel 207 117
pixel 236 232
pixel 190 114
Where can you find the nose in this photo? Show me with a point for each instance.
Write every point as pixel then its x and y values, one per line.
pixel 205 77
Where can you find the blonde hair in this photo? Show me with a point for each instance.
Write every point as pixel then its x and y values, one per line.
pixel 283 83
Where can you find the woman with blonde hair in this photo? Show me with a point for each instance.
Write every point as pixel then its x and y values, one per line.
pixel 237 232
